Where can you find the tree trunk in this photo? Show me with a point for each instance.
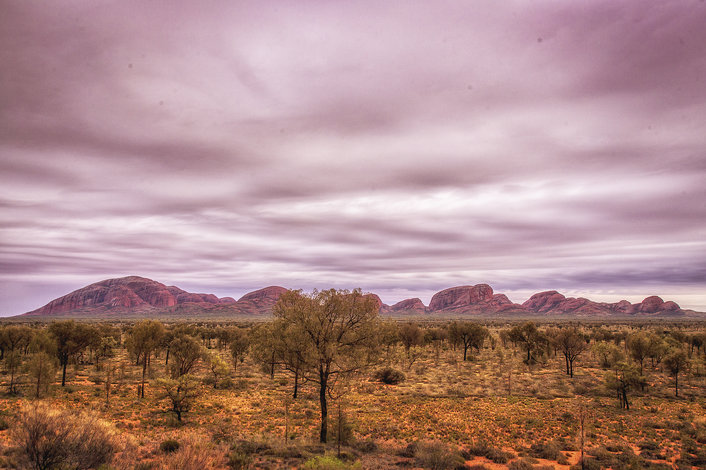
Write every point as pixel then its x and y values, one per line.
pixel 63 374
pixel 39 375
pixel 676 385
pixel 465 351
pixel 296 383
pixel 144 372
pixel 323 381
pixel 272 366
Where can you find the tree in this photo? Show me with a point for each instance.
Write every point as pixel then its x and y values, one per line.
pixel 468 334
pixel 411 336
pixel 181 393
pixel 531 339
pixel 639 347
pixel 571 343
pixel 144 338
pixel 71 339
pixel 218 367
pixel 239 344
pixel 676 361
pixel 13 361
pixel 340 328
pixel 624 377
pixel 41 368
pixel 292 350
pixel 608 353
pixel 186 352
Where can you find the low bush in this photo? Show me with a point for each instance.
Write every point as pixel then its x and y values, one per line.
pixel 169 446
pixel 389 376
pixel 436 455
pixel 52 438
pixel 327 462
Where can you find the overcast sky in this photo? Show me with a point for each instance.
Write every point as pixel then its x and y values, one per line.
pixel 401 147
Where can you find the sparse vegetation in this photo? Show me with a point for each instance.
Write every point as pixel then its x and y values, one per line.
pixel 442 412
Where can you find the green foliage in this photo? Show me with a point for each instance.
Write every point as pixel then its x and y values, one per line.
pixel 181 393
pixel 327 462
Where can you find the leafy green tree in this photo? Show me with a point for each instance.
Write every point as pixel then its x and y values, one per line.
pixel 13 361
pixel 530 339
pixel 469 335
pixel 238 345
pixel 144 338
pixel 639 347
pixel 218 367
pixel 341 330
pixel 71 339
pixel 608 353
pixel 572 344
pixel 41 368
pixel 412 338
pixel 186 352
pixel 622 379
pixel 676 361
pixel 181 392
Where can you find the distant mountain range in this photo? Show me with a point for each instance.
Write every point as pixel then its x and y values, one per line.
pixel 139 296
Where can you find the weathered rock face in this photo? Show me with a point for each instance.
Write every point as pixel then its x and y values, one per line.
pixel 140 295
pixel 542 302
pixel 554 303
pixel 651 304
pixel 460 297
pixel 407 305
pixel 260 301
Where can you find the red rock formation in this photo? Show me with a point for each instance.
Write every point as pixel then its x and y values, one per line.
pixel 135 294
pixel 408 305
pixel 542 302
pixel 260 301
pixel 460 297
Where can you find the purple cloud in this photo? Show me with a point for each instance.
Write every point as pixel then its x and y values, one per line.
pixel 403 148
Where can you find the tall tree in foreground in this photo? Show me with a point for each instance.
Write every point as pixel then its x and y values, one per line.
pixel 71 339
pixel 341 330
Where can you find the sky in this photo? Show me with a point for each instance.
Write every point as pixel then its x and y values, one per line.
pixel 402 147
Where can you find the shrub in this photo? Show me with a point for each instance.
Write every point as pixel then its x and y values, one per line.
pixel 546 450
pixel 436 455
pixel 327 462
pixel 520 464
pixel 239 460
pixel 389 376
pixel 51 438
pixel 494 454
pixel 169 446
pixel 194 455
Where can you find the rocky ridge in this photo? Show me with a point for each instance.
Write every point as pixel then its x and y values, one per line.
pixel 141 296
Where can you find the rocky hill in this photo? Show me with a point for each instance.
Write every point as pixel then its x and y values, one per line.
pixel 136 295
pixel 139 295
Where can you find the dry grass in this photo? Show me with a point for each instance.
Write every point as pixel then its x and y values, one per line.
pixel 528 414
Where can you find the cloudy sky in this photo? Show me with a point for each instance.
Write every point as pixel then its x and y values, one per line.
pixel 402 147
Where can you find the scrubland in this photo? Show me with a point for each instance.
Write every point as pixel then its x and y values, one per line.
pixel 493 410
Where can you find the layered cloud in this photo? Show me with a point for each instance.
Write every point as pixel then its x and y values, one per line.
pixel 403 148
